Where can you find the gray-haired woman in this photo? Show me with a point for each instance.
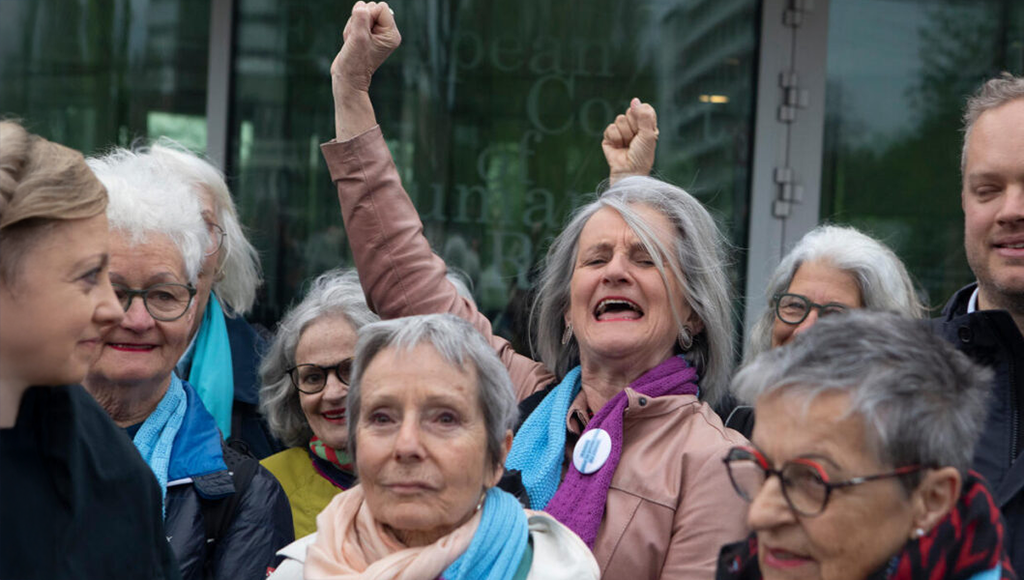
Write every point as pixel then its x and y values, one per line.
pixel 432 411
pixel 831 269
pixel 633 312
pixel 306 373
pixel 869 422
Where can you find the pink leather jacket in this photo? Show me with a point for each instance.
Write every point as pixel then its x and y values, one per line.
pixel 670 506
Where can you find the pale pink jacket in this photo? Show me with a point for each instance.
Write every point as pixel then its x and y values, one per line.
pixel 670 506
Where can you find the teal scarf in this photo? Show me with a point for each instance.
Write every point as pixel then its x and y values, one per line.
pixel 499 543
pixel 211 374
pixel 156 435
pixel 538 448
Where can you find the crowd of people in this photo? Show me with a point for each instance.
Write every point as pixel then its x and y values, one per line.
pixel 385 431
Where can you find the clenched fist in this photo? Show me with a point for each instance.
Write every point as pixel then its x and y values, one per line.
pixel 630 141
pixel 369 37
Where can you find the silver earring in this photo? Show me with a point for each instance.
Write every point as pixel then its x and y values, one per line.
pixel 919 533
pixel 480 504
pixel 685 339
pixel 567 335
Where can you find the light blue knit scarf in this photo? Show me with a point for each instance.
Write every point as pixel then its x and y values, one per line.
pixel 499 543
pixel 155 437
pixel 211 374
pixel 538 449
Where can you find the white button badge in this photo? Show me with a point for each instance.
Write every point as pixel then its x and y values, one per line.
pixel 592 451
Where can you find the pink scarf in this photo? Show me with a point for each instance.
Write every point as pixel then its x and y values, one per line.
pixel 351 544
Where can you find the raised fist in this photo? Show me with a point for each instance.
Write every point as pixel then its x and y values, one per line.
pixel 629 142
pixel 370 36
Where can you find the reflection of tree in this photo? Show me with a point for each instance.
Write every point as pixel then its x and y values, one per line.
pixel 905 189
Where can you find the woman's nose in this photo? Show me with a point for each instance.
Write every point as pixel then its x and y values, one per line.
pixel 137 318
pixel 807 323
pixel 334 389
pixel 108 310
pixel 769 508
pixel 408 445
pixel 616 270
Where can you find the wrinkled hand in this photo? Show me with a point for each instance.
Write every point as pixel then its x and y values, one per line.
pixel 630 141
pixel 370 36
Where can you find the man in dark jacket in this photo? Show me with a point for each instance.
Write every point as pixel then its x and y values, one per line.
pixel 985 320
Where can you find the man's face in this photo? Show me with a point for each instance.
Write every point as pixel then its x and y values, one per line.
pixel 993 202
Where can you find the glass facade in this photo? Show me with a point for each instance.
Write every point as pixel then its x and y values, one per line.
pixel 494 112
pixel 93 74
pixel 898 74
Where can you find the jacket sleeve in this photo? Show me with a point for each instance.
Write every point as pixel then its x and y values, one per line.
pixel 709 516
pixel 262 526
pixel 399 273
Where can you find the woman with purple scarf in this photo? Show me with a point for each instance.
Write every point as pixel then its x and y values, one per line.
pixel 633 334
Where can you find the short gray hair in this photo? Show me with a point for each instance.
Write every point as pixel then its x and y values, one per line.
pixel 922 401
pixel 333 293
pixel 147 197
pixel 994 93
pixel 698 262
pixel 882 279
pixel 459 344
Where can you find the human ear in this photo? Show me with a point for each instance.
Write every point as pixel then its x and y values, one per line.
pixel 934 497
pixel 499 467
pixel 694 322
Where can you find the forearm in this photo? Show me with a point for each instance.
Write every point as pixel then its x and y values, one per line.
pixel 353 110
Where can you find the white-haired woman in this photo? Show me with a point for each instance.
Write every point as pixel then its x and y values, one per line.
pixel 306 373
pixel 859 463
pixel 831 270
pixel 633 313
pixel 224 351
pixel 76 500
pixel 225 516
pixel 432 411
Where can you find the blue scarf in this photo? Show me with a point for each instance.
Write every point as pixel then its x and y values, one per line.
pixel 211 373
pixel 538 449
pixel 499 543
pixel 155 438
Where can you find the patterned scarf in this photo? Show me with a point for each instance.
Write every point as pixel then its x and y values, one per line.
pixel 333 465
pixel 966 545
pixel 155 439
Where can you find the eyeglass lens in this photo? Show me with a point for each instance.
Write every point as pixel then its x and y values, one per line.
pixel 162 301
pixel 310 378
pixel 802 488
pixel 794 308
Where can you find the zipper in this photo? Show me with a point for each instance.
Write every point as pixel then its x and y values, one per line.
pixel 1016 408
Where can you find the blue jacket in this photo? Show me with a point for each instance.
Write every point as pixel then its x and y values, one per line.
pixel 262 523
pixel 991 338
pixel 247 349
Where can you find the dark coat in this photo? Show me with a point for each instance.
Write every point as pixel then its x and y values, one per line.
pixel 991 338
pixel 76 499
pixel 262 523
pixel 247 425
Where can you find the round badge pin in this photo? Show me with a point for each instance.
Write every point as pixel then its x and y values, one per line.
pixel 592 451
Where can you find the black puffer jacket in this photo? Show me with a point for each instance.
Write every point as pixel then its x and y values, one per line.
pixel 991 338
pixel 260 525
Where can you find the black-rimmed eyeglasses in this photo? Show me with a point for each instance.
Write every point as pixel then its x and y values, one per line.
pixel 311 379
pixel 805 485
pixel 794 308
pixel 164 302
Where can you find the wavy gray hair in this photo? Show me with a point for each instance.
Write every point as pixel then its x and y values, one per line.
pixel 460 345
pixel 922 401
pixel 882 279
pixel 238 273
pixel 145 198
pixel 333 293
pixel 697 261
pixel 994 93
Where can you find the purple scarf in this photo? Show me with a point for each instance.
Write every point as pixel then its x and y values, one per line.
pixel 580 500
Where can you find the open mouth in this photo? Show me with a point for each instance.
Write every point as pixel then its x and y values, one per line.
pixel 776 558
pixel 334 415
pixel 126 347
pixel 618 309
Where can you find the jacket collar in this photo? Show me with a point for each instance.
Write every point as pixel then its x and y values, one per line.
pixel 196 450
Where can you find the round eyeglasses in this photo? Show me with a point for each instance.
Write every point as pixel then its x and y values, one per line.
pixel 164 302
pixel 805 485
pixel 311 379
pixel 794 308
pixel 217 235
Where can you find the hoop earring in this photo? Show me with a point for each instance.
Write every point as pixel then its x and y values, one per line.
pixel 567 335
pixel 685 339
